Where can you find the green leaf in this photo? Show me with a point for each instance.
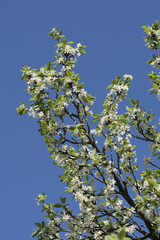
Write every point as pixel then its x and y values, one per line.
pixel 129 178
pixel 155 86
pixel 38 225
pixel 75 132
pixel 21 109
pixel 137 102
pixel 87 178
pixel 122 234
pixel 60 32
pixel 58 205
pixel 132 102
pixel 60 45
pixel 70 42
pixel 48 65
pixel 82 51
pixel 41 197
pixel 111 237
pixel 148 171
pixel 69 73
pixel 31 99
pixel 35 233
pixel 152 182
pixel 63 41
pixel 139 199
pixel 63 200
pixel 43 224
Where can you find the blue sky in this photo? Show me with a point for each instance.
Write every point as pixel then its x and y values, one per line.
pixel 112 32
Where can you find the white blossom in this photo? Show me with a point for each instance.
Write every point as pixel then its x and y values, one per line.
pixel 147 160
pixel 130 229
pixel 68 49
pixel 127 76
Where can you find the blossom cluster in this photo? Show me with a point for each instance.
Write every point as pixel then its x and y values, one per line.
pixel 96 151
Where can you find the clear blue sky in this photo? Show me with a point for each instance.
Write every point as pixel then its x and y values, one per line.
pixel 112 32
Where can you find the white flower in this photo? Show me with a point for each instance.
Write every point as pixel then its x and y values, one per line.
pixel 54 29
pixel 68 93
pixel 130 229
pixel 97 234
pixel 158 94
pixel 67 80
pixel 34 79
pixel 145 184
pixel 147 160
pixel 158 34
pixel 78 45
pixel 127 76
pixel 66 217
pixel 40 114
pixel 60 60
pixel 93 131
pixel 65 68
pixel 52 72
pixel 69 49
pixel 32 113
pixel 152 63
pixel 48 81
pixel 119 138
pixel 119 88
